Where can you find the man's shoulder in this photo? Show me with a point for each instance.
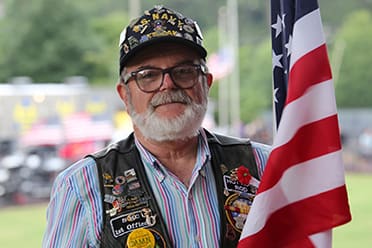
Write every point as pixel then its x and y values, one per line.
pixel 123 146
pixel 261 147
pixel 85 166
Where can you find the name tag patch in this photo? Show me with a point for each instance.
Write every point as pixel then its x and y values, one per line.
pixel 126 223
pixel 234 185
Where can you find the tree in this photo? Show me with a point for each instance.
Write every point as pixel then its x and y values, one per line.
pixel 105 62
pixel 49 40
pixel 255 79
pixel 353 85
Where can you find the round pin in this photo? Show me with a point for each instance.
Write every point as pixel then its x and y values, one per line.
pixel 188 28
pixel 118 189
pixel 120 180
pixel 141 238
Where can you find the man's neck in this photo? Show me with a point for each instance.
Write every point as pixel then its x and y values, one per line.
pixel 178 156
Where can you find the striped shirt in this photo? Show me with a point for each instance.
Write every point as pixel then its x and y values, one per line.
pixel 74 214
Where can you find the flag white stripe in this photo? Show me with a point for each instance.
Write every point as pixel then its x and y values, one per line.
pixel 302 42
pixel 294 115
pixel 282 193
pixel 322 240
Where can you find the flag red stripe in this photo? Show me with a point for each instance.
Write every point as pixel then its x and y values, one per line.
pixel 309 70
pixel 294 152
pixel 314 211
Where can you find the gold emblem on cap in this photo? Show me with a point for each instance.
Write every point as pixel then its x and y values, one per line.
pixel 141 238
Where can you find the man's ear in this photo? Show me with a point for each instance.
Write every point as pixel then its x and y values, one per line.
pixel 209 79
pixel 122 91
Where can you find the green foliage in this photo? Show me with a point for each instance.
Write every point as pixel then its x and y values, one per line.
pixel 105 61
pixel 204 12
pixel 50 40
pixel 254 18
pixel 255 80
pixel 210 38
pixel 333 12
pixel 353 87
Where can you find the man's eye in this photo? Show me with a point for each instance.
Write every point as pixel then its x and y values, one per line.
pixel 148 74
pixel 184 71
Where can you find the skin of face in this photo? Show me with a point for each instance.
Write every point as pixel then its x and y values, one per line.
pixel 176 119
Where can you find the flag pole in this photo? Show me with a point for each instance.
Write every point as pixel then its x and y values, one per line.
pixel 223 89
pixel 233 26
pixel 134 8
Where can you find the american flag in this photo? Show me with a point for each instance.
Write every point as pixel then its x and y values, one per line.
pixel 221 64
pixel 302 195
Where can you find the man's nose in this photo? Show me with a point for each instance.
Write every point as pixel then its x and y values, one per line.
pixel 167 82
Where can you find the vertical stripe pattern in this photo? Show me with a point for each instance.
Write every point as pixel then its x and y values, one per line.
pixel 191 214
pixel 74 213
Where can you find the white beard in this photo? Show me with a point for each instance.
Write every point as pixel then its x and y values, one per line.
pixel 182 127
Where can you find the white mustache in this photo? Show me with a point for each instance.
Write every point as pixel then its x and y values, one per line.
pixel 178 96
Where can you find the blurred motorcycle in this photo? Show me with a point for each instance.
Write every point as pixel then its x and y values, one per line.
pixel 28 176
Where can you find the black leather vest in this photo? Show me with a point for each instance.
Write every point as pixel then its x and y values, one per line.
pixel 130 212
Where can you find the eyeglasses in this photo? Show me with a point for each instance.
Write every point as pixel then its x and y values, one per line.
pixel 149 80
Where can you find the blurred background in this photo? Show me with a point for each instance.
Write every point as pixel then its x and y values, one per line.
pixel 59 67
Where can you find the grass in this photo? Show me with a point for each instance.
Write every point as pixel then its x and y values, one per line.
pixel 357 233
pixel 24 226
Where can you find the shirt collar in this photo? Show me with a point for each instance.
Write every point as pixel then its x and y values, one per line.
pixel 154 165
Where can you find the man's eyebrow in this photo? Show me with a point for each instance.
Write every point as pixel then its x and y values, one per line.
pixel 183 62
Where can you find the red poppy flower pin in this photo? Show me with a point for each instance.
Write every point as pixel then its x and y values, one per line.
pixel 243 175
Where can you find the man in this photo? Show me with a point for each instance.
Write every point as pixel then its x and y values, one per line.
pixel 171 183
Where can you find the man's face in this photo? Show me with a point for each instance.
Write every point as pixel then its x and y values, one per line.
pixel 170 113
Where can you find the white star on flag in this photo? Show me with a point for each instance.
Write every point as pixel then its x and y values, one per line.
pixel 276 60
pixel 289 46
pixel 277 26
pixel 275 91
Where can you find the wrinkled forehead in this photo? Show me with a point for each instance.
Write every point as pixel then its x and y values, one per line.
pixel 162 50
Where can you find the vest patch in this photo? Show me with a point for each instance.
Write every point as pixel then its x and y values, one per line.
pixel 240 188
pixel 126 223
pixel 235 186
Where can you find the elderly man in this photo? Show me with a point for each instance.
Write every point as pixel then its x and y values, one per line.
pixel 171 183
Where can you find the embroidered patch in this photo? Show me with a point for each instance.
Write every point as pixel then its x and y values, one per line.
pixel 237 208
pixel 126 223
pixel 234 185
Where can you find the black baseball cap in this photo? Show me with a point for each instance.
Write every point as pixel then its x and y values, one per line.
pixel 159 24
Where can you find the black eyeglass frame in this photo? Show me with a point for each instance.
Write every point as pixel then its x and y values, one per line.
pixel 127 77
